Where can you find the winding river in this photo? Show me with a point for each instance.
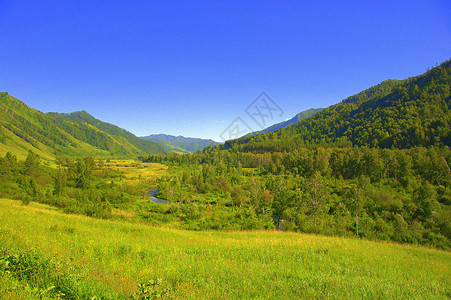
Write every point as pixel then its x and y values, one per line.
pixel 151 193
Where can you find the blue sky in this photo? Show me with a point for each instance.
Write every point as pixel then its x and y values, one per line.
pixel 192 67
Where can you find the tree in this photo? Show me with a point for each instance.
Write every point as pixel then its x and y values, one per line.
pixel 238 195
pixel 425 197
pixel 84 169
pixel 256 193
pixel 356 196
pixel 316 194
pixel 8 166
pixel 283 196
pixel 59 181
pixel 32 164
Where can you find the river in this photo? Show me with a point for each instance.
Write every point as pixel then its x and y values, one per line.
pixel 151 193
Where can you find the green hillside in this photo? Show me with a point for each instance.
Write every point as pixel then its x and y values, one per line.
pixel 23 128
pixel 393 114
pixel 82 117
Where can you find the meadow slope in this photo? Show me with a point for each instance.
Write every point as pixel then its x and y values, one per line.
pixel 83 257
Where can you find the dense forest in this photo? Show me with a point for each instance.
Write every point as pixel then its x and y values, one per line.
pixel 398 195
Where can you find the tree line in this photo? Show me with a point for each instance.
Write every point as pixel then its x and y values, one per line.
pixel 398 195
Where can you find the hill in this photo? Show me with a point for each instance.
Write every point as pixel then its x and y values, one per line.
pixel 180 143
pixel 296 119
pixel 82 117
pixel 23 128
pixel 46 253
pixel 393 114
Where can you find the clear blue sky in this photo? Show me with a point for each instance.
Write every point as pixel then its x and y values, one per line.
pixel 192 67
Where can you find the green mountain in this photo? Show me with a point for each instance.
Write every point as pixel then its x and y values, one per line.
pixel 296 119
pixel 23 128
pixel 82 117
pixel 180 143
pixel 393 114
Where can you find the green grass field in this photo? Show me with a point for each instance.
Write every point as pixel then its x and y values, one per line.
pixel 133 169
pixel 45 254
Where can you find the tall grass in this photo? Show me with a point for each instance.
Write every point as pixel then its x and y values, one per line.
pixel 114 260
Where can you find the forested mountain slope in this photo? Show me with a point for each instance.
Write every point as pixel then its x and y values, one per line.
pixel 394 114
pixel 82 117
pixel 23 128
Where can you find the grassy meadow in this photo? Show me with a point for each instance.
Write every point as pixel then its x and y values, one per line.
pixel 46 254
pixel 133 171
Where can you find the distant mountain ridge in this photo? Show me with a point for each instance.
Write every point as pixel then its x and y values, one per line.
pixel 296 119
pixel 23 128
pixel 179 143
